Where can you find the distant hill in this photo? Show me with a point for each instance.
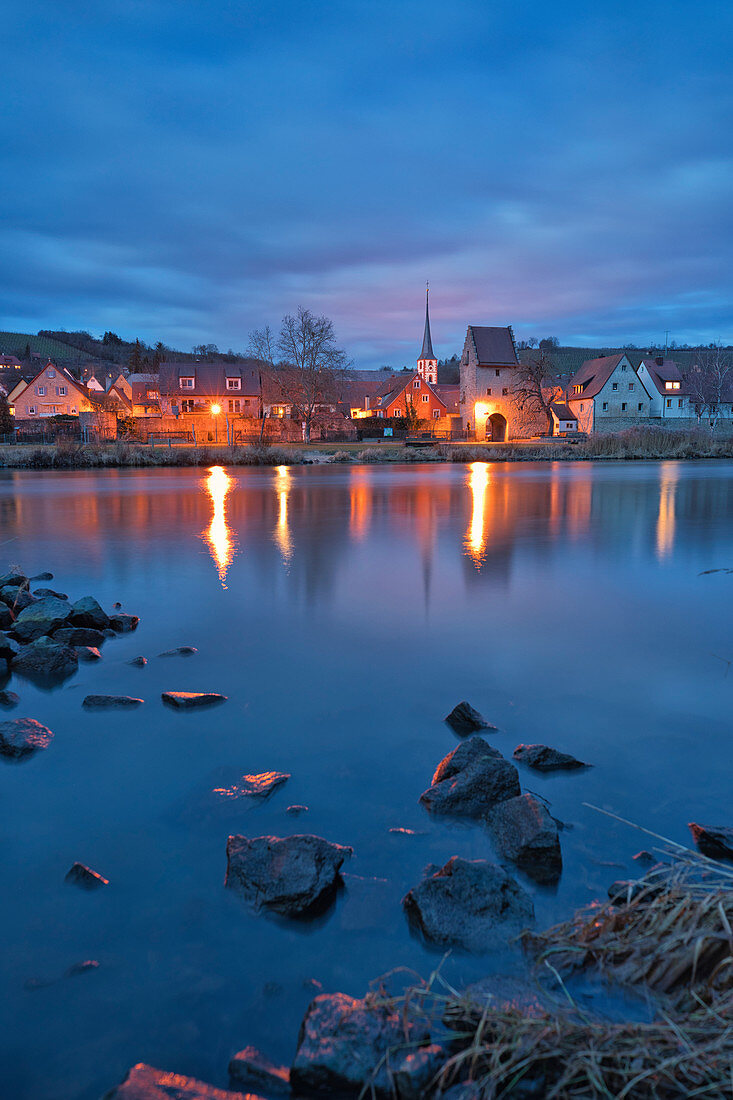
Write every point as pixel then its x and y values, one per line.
pixel 19 343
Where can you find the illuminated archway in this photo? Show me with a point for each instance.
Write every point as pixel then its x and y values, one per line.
pixel 496 428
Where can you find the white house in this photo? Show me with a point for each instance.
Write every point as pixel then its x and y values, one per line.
pixel 563 420
pixel 668 394
pixel 606 394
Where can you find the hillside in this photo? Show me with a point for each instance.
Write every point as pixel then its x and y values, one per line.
pixel 18 343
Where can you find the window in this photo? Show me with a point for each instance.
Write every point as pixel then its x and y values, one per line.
pixel 61 391
pixel 187 405
pixel 614 385
pixel 153 393
pixel 669 402
pixel 50 373
pixel 623 366
pixel 436 414
pixel 605 405
pixel 73 410
pixel 396 411
pixel 234 405
pixel 623 406
pixel 416 384
pixel 504 392
pixel 631 386
pixel 187 383
pixel 426 397
pixel 679 403
pixel 582 406
pixel 40 390
pixel 234 383
pixel 31 410
pixel 53 410
pixel 488 392
pixel 577 389
pixel 641 406
pixel 498 374
pixel 671 385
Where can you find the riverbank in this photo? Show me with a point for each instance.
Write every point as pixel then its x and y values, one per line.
pixel 643 443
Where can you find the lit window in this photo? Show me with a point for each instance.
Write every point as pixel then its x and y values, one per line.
pixel 187 383
pixel 669 402
pixel 614 385
pixel 577 389
pixel 187 405
pixel 436 414
pixel 234 405
pixel 679 403
pixel 675 385
pixel 234 383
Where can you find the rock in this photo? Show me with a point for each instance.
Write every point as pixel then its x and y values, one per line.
pixel 7 618
pixel 251 1069
pixel 138 662
pixel 470 780
pixel 107 702
pixel 294 875
pixel 400 830
pixel 467 903
pixel 83 967
pixel 180 651
pixel 79 635
pixel 87 612
pixel 350 1047
pixel 41 618
pixel 415 1070
pixel 623 891
pixel 645 857
pixel 109 632
pixel 463 719
pixel 715 841
pixel 296 810
pixel 502 993
pixel 23 736
pixel 8 700
pixel 42 577
pixel 13 580
pixel 9 648
pixel 87 653
pixel 185 700
pixel 525 833
pixel 123 624
pixel 41 593
pixel 259 786
pixel 17 598
pixel 144 1082
pixel 544 759
pixel 80 875
pixel 45 660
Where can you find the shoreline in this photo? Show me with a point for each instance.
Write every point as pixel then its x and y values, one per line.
pixel 636 444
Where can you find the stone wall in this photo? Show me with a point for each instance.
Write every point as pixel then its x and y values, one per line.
pixel 606 424
pixel 207 429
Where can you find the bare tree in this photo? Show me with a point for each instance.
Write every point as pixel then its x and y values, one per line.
pixel 310 367
pixel 537 384
pixel 710 382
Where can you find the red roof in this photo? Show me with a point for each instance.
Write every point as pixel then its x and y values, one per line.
pixel 593 376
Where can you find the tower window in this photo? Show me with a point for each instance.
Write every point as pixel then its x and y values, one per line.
pixel 488 392
pixel 504 392
pixel 498 374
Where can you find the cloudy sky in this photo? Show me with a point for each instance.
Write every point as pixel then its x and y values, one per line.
pixel 188 170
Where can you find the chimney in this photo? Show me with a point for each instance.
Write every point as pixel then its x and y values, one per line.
pixel 659 360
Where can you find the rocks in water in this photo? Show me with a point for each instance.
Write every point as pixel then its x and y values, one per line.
pixel 259 786
pixel 42 577
pixel 41 618
pixel 23 736
pixel 87 653
pixel 41 593
pixel 144 1082
pixel 81 875
pixel 17 598
pixel 294 875
pixel 45 660
pixel 544 759
pixel 138 662
pixel 108 702
pixel 715 841
pixel 87 612
pixel 185 700
pixel 9 648
pixel 13 580
pixel 179 651
pixel 7 618
pixel 123 624
pixel 400 830
pixel 296 810
pixel 470 780
pixel 86 966
pixel 350 1047
pixel 471 904
pixel 525 833
pixel 249 1068
pixel 465 719
pixel 79 635
pixel 8 700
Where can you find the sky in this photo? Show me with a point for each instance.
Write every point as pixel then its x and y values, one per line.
pixel 191 171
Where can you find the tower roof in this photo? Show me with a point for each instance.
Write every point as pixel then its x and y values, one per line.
pixel 427 343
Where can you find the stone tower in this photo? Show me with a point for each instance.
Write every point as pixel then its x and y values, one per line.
pixel 427 364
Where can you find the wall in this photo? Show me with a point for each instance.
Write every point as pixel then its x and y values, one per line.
pixel 208 429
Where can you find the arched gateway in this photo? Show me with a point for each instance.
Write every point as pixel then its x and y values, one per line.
pixel 496 428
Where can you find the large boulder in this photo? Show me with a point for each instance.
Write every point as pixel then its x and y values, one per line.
pixel 251 1069
pixel 9 648
pixel 13 580
pixel 16 598
pixel 525 833
pixel 111 702
pixel 147 1083
pixel 294 875
pixel 22 737
pixel 79 635
pixel 41 593
pixel 544 759
pixel 715 841
pixel 81 875
pixel 8 699
pixel 188 700
pixel 45 661
pixel 349 1047
pixel 123 624
pixel 472 904
pixel 465 719
pixel 470 780
pixel 253 787
pixel 7 618
pixel 41 618
pixel 87 612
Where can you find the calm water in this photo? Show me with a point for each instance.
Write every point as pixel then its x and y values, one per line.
pixel 344 611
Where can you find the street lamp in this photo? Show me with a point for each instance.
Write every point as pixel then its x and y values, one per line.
pixel 215 410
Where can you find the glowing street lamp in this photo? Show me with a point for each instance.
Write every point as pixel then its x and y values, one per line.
pixel 215 410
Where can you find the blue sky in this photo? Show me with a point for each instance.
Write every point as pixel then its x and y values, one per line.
pixel 191 171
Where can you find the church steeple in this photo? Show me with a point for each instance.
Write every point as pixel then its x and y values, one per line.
pixel 427 364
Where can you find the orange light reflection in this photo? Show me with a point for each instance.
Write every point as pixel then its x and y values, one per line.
pixel 283 537
pixel 475 541
pixel 666 518
pixel 218 535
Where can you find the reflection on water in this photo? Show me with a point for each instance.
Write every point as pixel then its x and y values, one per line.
pixel 478 479
pixel 670 472
pixel 282 530
pixel 218 534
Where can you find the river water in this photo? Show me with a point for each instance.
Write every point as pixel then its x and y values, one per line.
pixel 344 611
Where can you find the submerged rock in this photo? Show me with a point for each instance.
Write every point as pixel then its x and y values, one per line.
pixel 293 875
pixel 138 662
pixel 41 593
pixel 8 700
pixel 41 618
pixel 259 786
pixel 42 577
pixel 185 700
pixel 107 702
pixel 296 810
pixel 544 759
pixel 87 653
pixel 46 660
pixel 525 833
pixel 464 719
pixel 472 904
pixel 81 875
pixel 179 651
pixel 349 1047
pixel 23 736
pixel 470 780
pixel 715 841
pixel 13 580
pixel 86 966
pixel 87 612
pixel 144 1082
pixel 79 635
pixel 123 624
pixel 249 1068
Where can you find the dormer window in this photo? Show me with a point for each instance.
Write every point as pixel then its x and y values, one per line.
pixel 187 383
pixel 577 389
pixel 671 385
pixel 234 383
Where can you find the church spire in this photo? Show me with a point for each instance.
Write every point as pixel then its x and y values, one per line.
pixel 427 364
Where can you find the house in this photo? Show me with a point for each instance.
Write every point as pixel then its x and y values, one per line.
pixel 359 393
pixel 606 394
pixel 564 421
pixel 669 396
pixel 208 389
pixel 409 388
pixel 52 392
pixel 144 394
pixel 451 395
pixel 488 374
pixel 10 363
